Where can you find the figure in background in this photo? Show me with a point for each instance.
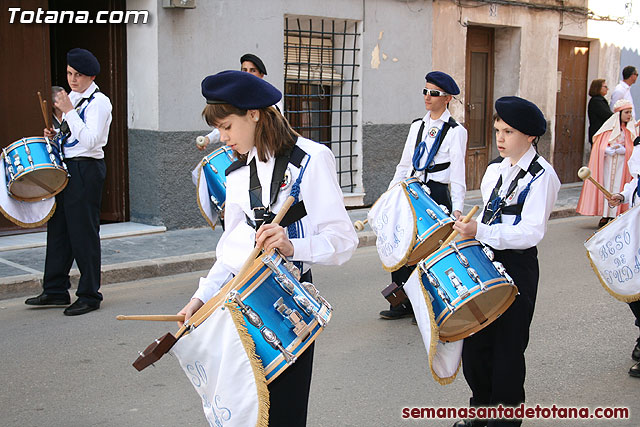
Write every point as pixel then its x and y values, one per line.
pixel 612 147
pixel 598 109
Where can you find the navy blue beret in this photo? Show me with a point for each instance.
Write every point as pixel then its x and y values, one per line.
pixel 83 62
pixel 522 115
pixel 256 61
pixel 240 89
pixel 444 81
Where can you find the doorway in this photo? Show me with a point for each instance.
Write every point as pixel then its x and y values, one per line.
pixel 478 102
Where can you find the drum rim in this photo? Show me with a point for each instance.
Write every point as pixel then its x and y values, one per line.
pixel 23 141
pixel 37 199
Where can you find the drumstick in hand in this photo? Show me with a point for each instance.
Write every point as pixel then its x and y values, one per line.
pixel 585 173
pixel 210 306
pixel 465 220
pixel 43 108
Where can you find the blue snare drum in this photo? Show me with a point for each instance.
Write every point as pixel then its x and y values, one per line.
pixel 283 316
pixel 214 166
pixel 34 168
pixel 433 221
pixel 468 290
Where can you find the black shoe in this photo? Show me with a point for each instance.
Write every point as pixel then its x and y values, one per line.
pixel 397 312
pixel 44 299
pixel 80 307
pixel 603 221
pixel 414 321
pixel 634 371
pixel 635 354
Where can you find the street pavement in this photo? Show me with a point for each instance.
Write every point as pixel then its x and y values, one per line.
pixel 133 251
pixel 76 371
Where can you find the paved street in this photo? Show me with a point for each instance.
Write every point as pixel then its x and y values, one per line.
pixel 65 371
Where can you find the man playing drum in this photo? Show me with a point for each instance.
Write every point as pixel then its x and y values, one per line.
pixel 519 190
pixel 239 105
pixel 631 195
pixel 73 231
pixel 434 152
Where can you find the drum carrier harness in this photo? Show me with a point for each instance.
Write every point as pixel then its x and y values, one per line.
pixel 65 132
pixel 497 206
pixel 421 147
pixel 262 214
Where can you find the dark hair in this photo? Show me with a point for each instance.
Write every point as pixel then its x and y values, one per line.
pixel 628 71
pixel 596 86
pixel 274 135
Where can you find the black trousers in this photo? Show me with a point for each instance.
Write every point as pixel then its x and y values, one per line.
pixel 635 308
pixel 493 358
pixel 289 393
pixel 440 193
pixel 73 232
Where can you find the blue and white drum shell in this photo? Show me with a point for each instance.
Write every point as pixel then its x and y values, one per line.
pixel 214 166
pixel 433 222
pixel 467 289
pixel 34 169
pixel 282 315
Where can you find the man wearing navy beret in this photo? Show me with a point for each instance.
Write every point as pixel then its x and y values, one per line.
pixel 73 230
pixel 434 152
pixel 519 190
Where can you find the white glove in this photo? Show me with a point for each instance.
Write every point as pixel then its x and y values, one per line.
pixel 609 151
pixel 620 149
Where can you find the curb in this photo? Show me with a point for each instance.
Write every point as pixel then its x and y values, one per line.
pixel 31 284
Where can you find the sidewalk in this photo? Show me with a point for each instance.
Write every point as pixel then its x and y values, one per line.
pixel 136 251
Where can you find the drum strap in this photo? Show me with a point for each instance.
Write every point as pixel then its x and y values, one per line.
pixel 65 132
pixel 263 214
pixel 421 147
pixel 497 206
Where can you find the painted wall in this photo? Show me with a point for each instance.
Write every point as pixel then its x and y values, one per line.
pixel 168 58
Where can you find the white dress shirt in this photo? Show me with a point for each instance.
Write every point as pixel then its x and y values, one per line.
pixel 537 205
pixel 92 133
pixel 622 91
pixel 632 186
pixel 327 235
pixel 453 150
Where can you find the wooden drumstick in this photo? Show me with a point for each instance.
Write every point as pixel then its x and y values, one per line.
pixel 42 108
pixel 359 225
pixel 47 120
pixel 465 220
pixel 585 173
pixel 153 317
pixel 210 306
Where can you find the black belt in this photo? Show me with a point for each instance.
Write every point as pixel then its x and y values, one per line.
pixel 80 158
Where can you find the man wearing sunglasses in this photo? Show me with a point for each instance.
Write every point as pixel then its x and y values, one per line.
pixel 434 152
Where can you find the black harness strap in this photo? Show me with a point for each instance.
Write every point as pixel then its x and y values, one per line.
pixel 451 123
pixel 533 169
pixel 263 214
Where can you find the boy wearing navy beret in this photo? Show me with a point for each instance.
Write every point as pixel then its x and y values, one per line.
pixel 434 152
pixel 73 232
pixel 519 190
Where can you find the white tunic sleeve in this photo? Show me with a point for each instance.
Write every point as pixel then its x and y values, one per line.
pixel 333 239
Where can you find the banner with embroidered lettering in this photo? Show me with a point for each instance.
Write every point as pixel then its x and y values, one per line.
pixel 444 358
pixel 24 214
pixel 224 370
pixel 392 220
pixel 614 252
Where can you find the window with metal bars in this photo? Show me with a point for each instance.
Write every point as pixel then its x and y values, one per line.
pixel 321 69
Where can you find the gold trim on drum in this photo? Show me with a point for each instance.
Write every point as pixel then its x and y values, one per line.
pixel 212 225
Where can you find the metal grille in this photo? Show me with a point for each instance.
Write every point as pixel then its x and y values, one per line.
pixel 322 87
